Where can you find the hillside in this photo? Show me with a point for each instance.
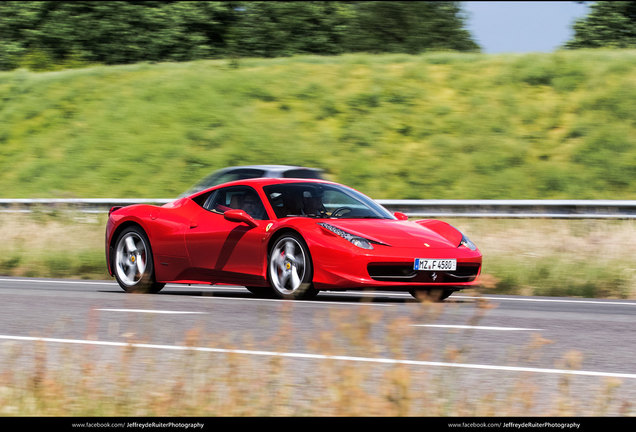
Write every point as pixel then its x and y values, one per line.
pixel 430 126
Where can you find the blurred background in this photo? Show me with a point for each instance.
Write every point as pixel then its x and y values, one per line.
pixel 142 99
pixel 412 100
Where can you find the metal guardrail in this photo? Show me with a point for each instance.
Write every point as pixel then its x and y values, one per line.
pixel 84 205
pixel 551 209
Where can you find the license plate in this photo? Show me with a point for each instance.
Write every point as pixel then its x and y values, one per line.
pixel 435 264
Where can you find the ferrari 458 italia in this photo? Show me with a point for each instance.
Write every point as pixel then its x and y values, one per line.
pixel 289 238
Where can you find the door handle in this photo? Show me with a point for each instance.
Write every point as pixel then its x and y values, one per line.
pixel 193 225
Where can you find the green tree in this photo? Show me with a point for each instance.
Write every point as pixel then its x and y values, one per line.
pixel 46 34
pixel 113 31
pixel 409 27
pixel 272 29
pixel 609 24
pixel 16 20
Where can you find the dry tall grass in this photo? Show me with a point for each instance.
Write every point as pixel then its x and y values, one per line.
pixel 584 258
pixel 41 379
pixel 64 244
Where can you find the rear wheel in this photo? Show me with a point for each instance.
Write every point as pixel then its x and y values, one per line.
pixel 134 266
pixel 290 269
pixel 435 294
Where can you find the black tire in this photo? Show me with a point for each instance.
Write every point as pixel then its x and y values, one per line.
pixel 290 269
pixel 434 294
pixel 133 265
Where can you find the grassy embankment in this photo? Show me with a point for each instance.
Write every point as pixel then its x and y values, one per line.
pixel 438 125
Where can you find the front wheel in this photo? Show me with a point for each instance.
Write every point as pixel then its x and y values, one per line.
pixel 134 267
pixel 290 269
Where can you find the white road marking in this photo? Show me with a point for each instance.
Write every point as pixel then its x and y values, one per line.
pixel 363 294
pixel 388 361
pixel 599 302
pixel 114 284
pixel 150 311
pixel 58 281
pixel 476 327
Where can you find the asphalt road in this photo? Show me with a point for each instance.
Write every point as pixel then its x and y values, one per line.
pixel 486 343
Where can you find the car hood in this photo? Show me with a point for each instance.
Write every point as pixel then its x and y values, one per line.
pixel 436 234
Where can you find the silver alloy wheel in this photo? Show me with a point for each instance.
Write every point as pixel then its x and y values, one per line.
pixel 287 266
pixel 131 258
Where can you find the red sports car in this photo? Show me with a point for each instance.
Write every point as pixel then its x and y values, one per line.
pixel 288 237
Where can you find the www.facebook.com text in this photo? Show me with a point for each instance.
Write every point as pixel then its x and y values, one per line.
pixel 516 425
pixel 139 425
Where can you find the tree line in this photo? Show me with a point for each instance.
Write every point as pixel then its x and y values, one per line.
pixel 111 32
pixel 44 34
pixel 609 24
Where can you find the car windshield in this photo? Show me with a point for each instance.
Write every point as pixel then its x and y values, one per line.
pixel 318 200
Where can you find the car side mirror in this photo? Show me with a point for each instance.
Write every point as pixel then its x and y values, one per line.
pixel 237 215
pixel 400 216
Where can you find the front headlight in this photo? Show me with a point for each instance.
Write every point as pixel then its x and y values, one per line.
pixel 466 242
pixel 353 239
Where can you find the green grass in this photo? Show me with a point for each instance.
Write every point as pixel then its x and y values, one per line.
pixel 436 125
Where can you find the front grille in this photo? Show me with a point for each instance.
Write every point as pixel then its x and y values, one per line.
pixel 391 272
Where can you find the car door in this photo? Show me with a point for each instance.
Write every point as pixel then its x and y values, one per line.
pixel 224 251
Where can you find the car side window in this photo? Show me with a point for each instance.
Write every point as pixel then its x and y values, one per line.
pixel 236 197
